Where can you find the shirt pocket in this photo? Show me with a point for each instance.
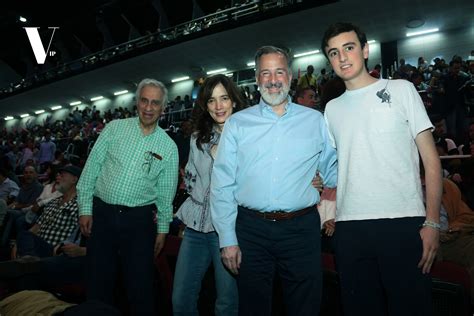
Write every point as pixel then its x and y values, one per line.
pixel 388 121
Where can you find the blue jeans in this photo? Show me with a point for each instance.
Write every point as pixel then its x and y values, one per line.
pixel 196 253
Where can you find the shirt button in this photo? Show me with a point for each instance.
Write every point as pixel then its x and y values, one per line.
pixel 276 158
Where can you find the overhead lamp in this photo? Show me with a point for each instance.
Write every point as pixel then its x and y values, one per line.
pixel 57 107
pixel 422 32
pixel 251 64
pixel 39 111
pixel 120 92
pixel 180 79
pixel 75 103
pixel 306 53
pixel 415 23
pixel 229 74
pixel 371 42
pixel 216 71
pixel 24 115
pixel 22 19
pixel 97 98
pixel 8 118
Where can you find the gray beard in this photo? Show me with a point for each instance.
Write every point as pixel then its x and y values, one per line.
pixel 274 99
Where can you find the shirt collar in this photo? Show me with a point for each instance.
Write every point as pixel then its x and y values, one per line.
pixel 140 128
pixel 266 109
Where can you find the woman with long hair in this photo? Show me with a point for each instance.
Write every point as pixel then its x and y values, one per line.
pixel 218 98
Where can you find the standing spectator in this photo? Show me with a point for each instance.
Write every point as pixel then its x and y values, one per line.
pixel 131 172
pixel 262 201
pixel 385 238
pixel 47 149
pixel 217 100
pixel 308 80
pixel 27 156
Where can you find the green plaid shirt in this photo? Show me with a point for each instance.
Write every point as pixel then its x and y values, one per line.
pixel 119 171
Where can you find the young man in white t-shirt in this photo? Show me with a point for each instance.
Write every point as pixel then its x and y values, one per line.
pixel 385 240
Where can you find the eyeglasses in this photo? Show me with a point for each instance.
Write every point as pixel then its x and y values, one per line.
pixel 149 160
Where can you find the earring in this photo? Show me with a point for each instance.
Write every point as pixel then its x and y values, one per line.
pixel 233 105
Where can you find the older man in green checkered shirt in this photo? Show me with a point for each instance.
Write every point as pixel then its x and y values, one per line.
pixel 131 173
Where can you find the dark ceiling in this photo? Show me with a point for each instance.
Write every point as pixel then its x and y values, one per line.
pixel 301 31
pixel 87 26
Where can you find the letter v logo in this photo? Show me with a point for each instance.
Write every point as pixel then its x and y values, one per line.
pixel 37 44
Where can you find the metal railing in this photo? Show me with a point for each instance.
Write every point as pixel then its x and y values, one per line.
pixel 118 52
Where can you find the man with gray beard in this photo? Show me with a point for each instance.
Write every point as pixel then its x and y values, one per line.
pixel 262 203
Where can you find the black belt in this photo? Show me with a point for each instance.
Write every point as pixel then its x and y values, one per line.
pixel 123 208
pixel 278 215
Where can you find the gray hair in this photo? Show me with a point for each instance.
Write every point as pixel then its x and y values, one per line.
pixel 154 83
pixel 264 50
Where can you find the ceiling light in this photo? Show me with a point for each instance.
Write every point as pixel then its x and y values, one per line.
pixel 251 64
pixel 119 92
pixel 371 42
pixel 24 115
pixel 57 107
pixel 8 118
pixel 39 111
pixel 180 79
pixel 229 74
pixel 75 103
pixel 216 71
pixel 97 98
pixel 22 19
pixel 422 32
pixel 414 23
pixel 307 53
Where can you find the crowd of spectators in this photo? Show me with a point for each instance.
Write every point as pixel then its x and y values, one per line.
pixel 30 157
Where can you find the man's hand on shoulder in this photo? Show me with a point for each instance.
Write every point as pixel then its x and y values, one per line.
pixel 232 257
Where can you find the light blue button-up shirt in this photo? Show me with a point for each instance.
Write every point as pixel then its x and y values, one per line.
pixel 266 162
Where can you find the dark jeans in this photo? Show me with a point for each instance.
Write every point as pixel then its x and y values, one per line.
pixel 292 248
pixel 33 245
pixel 377 265
pixel 128 235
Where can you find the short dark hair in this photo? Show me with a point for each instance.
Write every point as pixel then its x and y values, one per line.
pixel 202 120
pixel 301 92
pixel 338 28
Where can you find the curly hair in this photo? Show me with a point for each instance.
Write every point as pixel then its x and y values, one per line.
pixel 202 120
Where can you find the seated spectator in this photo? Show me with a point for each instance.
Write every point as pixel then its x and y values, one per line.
pixel 465 148
pixel 439 134
pixel 49 193
pixel 457 230
pixel 306 96
pixel 8 192
pixel 8 189
pixel 29 192
pixel 58 220
pixel 376 71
